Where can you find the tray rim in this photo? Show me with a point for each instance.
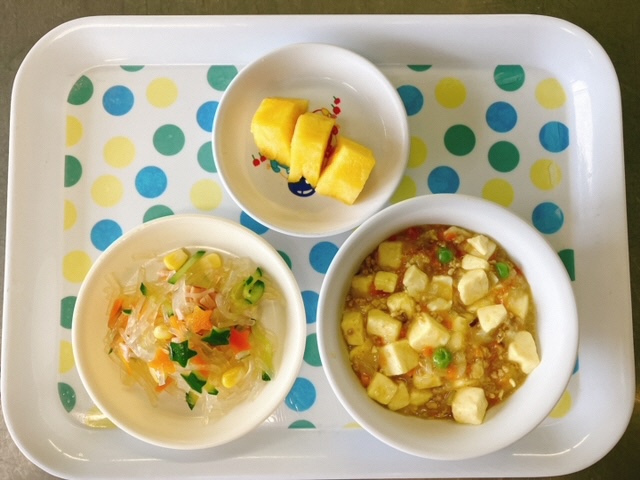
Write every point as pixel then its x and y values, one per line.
pixel 40 56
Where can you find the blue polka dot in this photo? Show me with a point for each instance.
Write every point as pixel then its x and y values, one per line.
pixel 576 367
pixel 118 100
pixel 443 180
pixel 104 233
pixel 151 182
pixel 205 115
pixel 412 98
pixel 302 395
pixel 501 117
pixel 321 256
pixel 310 299
pixel 251 224
pixel 547 217
pixel 554 137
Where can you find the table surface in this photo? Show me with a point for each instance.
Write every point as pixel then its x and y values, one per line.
pixel 613 23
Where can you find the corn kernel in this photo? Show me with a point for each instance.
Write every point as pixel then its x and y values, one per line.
pixel 161 332
pixel 232 376
pixel 212 260
pixel 175 259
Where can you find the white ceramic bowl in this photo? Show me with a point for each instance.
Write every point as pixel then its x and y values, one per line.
pixel 169 424
pixel 372 113
pixel 557 329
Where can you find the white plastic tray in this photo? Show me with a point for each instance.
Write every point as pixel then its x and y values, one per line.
pixel 46 220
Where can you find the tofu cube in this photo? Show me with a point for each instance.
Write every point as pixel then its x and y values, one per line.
pixel 439 305
pixel 401 398
pixel 419 397
pixel 390 255
pixel 309 145
pixel 272 126
pixel 441 286
pixel 469 405
pixel 347 171
pixel 352 326
pixel 473 285
pixel 517 302
pixel 482 245
pixel 415 281
pixel 382 389
pixel 423 379
pixel 471 262
pixel 383 325
pixel 385 281
pixel 425 331
pixel 361 285
pixel 491 316
pixel 397 358
pixel 523 351
pixel 399 303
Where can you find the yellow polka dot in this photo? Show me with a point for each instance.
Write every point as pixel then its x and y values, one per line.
pixel 70 214
pixel 206 195
pixel 66 361
pixel 162 92
pixel 418 152
pixel 352 426
pixel 550 93
pixel 96 419
pixel 75 266
pixel 107 191
pixel 451 92
pixel 74 131
pixel 563 406
pixel 499 191
pixel 546 174
pixel 119 152
pixel 406 189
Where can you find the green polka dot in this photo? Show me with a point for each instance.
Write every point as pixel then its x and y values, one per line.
pixel 205 158
pixel 509 77
pixel 459 140
pixel 285 257
pixel 568 258
pixel 419 68
pixel 311 353
pixel 81 91
pixel 67 396
pixel 132 68
pixel 168 140
pixel 67 304
pixel 302 424
pixel 157 211
pixel 72 170
pixel 220 76
pixel 504 156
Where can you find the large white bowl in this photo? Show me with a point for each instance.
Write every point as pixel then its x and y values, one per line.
pixel 170 424
pixel 557 329
pixel 372 113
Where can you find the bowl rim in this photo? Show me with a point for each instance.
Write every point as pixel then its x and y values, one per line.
pixel 290 358
pixel 393 104
pixel 377 419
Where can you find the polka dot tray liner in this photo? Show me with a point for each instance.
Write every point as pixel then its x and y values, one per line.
pixel 137 146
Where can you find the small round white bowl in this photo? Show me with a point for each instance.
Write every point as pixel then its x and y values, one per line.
pixel 170 424
pixel 557 330
pixel 372 114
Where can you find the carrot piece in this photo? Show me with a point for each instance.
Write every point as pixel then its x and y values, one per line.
pixel 199 320
pixel 116 309
pixel 239 340
pixel 162 362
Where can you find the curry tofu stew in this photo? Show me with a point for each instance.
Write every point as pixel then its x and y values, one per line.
pixel 440 323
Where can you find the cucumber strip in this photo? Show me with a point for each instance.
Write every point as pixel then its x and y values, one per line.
pixel 185 268
pixel 253 292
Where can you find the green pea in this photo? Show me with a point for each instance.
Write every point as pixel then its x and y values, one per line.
pixel 445 255
pixel 503 270
pixel 442 357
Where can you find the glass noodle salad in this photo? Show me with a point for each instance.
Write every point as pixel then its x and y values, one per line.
pixel 189 324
